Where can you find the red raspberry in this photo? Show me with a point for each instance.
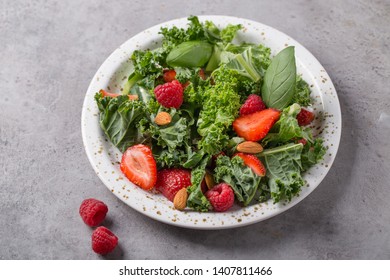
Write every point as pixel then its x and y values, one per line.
pixel 93 211
pixel 252 104
pixel 305 117
pixel 170 94
pixel 169 75
pixel 103 241
pixel 170 181
pixel 221 197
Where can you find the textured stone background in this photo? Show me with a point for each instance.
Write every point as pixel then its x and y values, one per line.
pixel 51 49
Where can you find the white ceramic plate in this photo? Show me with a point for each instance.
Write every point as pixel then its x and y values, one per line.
pixel 105 158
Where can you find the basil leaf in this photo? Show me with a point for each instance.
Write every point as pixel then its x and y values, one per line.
pixel 279 80
pixel 190 54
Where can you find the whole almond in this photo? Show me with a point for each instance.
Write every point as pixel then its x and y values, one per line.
pixel 249 147
pixel 209 180
pixel 180 200
pixel 163 118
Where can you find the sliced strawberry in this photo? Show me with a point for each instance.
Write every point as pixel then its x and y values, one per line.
pixel 170 181
pixel 169 76
pixel 139 166
pixel 305 117
pixel 133 97
pixel 113 95
pixel 254 127
pixel 253 163
pixel 109 94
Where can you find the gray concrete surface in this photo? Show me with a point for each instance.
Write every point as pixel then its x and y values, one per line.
pixel 51 49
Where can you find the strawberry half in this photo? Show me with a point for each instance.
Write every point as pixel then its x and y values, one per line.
pixel 170 181
pixel 169 75
pixel 113 95
pixel 253 163
pixel 305 117
pixel 254 127
pixel 139 166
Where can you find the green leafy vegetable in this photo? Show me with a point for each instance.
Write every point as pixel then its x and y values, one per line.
pixel 302 93
pixel 175 36
pixel 173 135
pixel 148 62
pixel 229 32
pixel 119 118
pixel 312 153
pixel 243 63
pixel 279 81
pixel 283 165
pixel 220 108
pixel 196 199
pixel 286 128
pixel 190 54
pixel 241 178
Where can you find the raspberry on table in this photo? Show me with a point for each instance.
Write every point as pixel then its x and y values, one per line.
pixel 103 241
pixel 93 211
pixel 252 104
pixel 221 197
pixel 169 94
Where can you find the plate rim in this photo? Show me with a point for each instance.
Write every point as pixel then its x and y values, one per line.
pixel 289 205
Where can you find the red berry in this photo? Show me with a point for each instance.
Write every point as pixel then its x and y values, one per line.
pixel 169 94
pixel 170 181
pixel 169 75
pixel 303 141
pixel 305 117
pixel 202 74
pixel 103 241
pixel 221 197
pixel 253 163
pixel 252 104
pixel 93 211
pixel 255 126
pixel 139 166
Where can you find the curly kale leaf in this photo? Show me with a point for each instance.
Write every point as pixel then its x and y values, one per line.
pixel 241 178
pixel 286 128
pixel 229 32
pixel 196 199
pixel 283 165
pixel 119 118
pixel 302 92
pixel 220 108
pixel 312 153
pixel 148 63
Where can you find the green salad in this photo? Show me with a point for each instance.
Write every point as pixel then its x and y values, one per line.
pixel 229 112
